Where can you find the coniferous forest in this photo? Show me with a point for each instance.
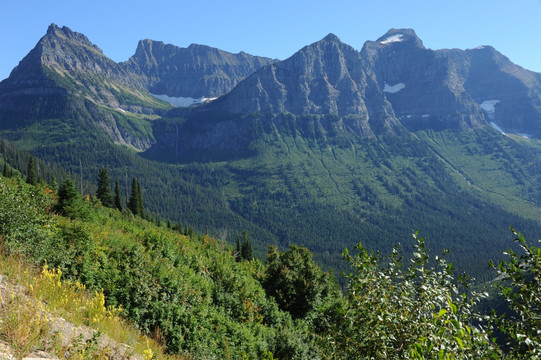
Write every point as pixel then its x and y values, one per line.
pixel 207 299
pixel 378 203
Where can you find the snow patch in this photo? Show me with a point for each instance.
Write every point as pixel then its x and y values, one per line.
pixel 490 107
pixel 183 101
pixel 425 115
pixel 526 136
pixel 493 124
pixel 121 110
pixel 392 39
pixel 393 88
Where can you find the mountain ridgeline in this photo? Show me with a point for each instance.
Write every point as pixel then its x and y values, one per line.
pixel 327 148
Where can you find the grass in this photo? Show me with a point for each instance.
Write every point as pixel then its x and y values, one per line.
pixel 23 325
pixel 28 312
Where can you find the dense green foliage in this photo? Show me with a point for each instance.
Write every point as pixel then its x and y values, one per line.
pixel 296 282
pixel 291 179
pixel 520 286
pixel 190 288
pixel 416 311
pixel 69 201
pixel 206 304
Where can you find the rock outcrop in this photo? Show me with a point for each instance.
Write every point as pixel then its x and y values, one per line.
pixel 196 71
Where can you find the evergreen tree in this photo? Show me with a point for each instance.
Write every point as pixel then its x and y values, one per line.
pixel 31 172
pixel 140 207
pixel 5 171
pixel 69 203
pixel 132 201
pixel 118 202
pixel 104 188
pixel 246 247
pixel 178 227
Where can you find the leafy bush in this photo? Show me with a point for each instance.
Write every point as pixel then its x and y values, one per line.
pixel 520 285
pixel 398 312
pixel 296 282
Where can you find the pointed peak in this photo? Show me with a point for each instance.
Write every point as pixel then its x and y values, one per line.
pixel 331 38
pixel 399 36
pixel 56 33
pixel 53 28
pixel 61 31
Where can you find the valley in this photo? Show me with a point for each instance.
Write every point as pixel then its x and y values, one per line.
pixel 325 149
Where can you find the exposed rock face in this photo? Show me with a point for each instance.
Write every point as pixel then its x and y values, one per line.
pixel 327 77
pixel 195 71
pixel 395 78
pixel 66 61
pixel 422 85
pixel 393 83
pixel 66 77
pixel 514 91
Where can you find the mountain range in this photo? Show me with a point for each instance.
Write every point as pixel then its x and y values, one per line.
pixel 327 148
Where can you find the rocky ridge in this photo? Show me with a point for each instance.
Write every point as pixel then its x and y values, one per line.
pixel 394 78
pixel 196 71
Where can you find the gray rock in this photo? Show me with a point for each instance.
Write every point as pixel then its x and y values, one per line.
pixel 195 71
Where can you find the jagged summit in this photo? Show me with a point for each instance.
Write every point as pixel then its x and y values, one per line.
pixel 54 32
pixel 196 71
pixel 405 36
pixel 394 77
pixel 326 77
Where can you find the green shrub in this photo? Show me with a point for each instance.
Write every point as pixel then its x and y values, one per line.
pixel 520 285
pixel 399 312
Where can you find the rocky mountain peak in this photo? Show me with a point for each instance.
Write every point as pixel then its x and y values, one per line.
pixel 196 71
pixel 326 77
pixel 400 36
pixel 331 38
pixel 56 34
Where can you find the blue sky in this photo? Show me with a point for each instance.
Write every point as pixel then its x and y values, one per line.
pixel 275 29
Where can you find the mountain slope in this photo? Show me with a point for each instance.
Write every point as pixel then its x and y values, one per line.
pixel 196 71
pixel 66 88
pixel 327 77
pixel 327 148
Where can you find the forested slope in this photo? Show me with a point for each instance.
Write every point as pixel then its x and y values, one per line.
pixel 204 299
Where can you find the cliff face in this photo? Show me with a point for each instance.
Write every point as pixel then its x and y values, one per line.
pixel 69 83
pixel 64 61
pixel 510 95
pixel 196 71
pixel 327 77
pixel 395 79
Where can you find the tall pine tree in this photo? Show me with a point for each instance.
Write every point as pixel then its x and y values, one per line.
pixel 246 247
pixel 31 172
pixel 140 207
pixel 132 201
pixel 118 202
pixel 5 171
pixel 69 202
pixel 238 254
pixel 135 202
pixel 104 188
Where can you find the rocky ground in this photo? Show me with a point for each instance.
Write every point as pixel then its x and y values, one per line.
pixel 66 335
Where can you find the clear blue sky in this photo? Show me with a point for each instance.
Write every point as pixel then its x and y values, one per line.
pixel 275 29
